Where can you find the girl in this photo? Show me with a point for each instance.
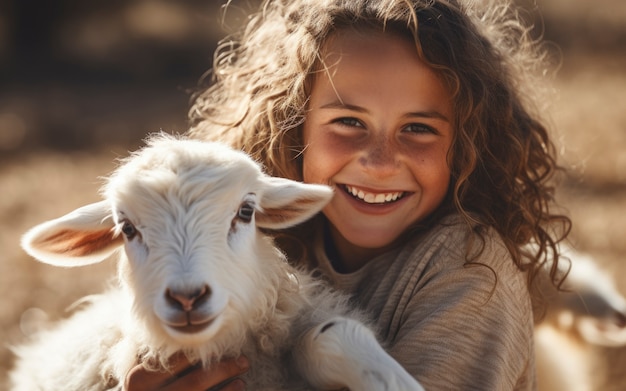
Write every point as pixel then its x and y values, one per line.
pixel 418 114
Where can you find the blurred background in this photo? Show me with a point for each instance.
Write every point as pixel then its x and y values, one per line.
pixel 82 82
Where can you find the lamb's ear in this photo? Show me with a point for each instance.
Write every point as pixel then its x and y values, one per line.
pixel 286 203
pixel 82 237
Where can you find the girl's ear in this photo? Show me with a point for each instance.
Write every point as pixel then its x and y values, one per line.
pixel 285 203
pixel 82 237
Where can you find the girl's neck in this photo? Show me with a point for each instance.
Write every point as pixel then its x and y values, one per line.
pixel 343 255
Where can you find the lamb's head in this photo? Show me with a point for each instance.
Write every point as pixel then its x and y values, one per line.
pixel 188 215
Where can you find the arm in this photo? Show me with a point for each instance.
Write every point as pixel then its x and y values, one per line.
pixel 450 325
pixel 460 329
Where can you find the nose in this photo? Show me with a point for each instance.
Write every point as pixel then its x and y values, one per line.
pixel 188 299
pixel 380 157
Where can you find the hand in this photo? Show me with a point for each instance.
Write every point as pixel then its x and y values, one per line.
pixel 187 377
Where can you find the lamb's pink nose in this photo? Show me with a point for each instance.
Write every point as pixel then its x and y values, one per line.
pixel 188 299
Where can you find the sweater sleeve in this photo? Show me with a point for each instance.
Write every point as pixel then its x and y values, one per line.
pixel 466 327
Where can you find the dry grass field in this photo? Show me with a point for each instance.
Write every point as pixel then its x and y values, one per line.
pixel 41 178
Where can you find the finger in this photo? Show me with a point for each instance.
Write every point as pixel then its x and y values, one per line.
pixel 141 379
pixel 178 363
pixel 198 378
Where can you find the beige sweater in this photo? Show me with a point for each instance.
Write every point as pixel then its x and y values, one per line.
pixel 454 327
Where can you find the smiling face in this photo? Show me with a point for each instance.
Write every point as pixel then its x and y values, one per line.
pixel 378 130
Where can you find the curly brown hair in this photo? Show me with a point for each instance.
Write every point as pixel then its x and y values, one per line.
pixel 502 159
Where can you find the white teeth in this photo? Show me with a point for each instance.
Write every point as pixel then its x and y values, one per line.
pixel 372 198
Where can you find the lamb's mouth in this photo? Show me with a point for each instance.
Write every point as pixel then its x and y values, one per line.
pixel 191 328
pixel 374 198
pixel 190 323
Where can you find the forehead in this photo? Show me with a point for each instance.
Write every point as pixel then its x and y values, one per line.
pixel 368 40
pixel 183 175
pixel 379 66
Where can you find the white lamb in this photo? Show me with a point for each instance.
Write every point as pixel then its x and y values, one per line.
pixel 197 275
pixel 589 312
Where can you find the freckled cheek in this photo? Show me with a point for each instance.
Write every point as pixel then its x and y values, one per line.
pixel 324 158
pixel 428 154
pixel 430 164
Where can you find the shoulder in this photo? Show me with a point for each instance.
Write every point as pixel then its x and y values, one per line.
pixel 453 247
pixel 448 258
pixel 432 278
pixel 454 266
pixel 445 304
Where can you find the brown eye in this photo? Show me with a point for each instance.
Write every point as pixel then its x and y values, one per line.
pixel 245 213
pixel 128 230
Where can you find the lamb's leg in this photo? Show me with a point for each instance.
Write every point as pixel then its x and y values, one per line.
pixel 344 353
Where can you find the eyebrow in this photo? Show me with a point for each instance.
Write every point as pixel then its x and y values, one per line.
pixel 421 114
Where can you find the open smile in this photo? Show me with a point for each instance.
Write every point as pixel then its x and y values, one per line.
pixel 373 198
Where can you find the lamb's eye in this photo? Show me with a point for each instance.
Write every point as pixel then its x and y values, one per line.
pixel 246 211
pixel 128 229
